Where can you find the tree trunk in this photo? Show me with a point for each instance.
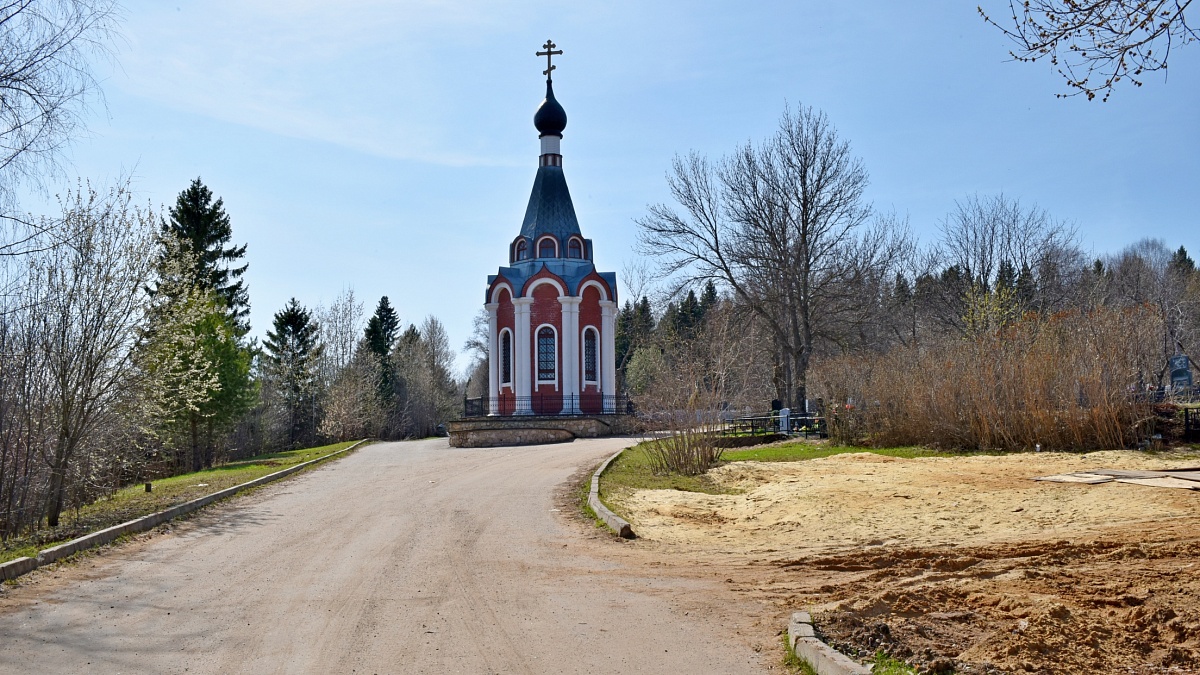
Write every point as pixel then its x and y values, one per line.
pixel 209 445
pixel 197 459
pixel 58 479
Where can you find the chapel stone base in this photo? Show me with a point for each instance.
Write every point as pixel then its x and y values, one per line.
pixel 490 432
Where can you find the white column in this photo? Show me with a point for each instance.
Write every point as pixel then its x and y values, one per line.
pixel 493 359
pixel 570 353
pixel 608 353
pixel 523 375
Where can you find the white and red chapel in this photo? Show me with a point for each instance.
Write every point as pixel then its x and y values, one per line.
pixel 551 315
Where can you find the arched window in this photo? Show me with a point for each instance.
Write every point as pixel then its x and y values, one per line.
pixel 547 354
pixel 547 248
pixel 591 356
pixel 522 251
pixel 506 357
pixel 575 249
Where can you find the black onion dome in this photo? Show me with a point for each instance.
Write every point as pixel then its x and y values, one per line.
pixel 550 117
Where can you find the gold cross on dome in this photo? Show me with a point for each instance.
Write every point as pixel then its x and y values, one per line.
pixel 549 47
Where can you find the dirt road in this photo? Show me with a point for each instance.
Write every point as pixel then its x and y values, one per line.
pixel 402 558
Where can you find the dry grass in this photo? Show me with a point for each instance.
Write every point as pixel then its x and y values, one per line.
pixel 1062 382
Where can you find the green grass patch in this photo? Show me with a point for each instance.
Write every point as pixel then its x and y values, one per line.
pixel 801 450
pixel 883 664
pixel 134 502
pixel 792 662
pixel 633 471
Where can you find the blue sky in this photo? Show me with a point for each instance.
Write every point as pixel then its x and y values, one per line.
pixel 388 146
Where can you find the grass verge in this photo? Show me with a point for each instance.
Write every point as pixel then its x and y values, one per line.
pixel 632 470
pixel 792 662
pixel 134 502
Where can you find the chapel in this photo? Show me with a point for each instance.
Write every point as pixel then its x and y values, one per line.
pixel 551 315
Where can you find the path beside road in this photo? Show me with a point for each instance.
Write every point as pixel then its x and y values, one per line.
pixel 401 558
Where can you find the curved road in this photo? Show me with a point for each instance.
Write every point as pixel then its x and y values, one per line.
pixel 401 558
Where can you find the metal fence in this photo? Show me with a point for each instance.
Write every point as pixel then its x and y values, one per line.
pixel 1191 425
pixel 770 423
pixel 557 405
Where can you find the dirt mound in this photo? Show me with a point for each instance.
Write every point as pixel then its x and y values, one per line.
pixel 960 562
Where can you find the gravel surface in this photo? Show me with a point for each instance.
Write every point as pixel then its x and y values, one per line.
pixel 401 558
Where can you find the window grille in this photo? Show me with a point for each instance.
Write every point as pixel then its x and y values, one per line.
pixel 522 251
pixel 589 356
pixel 546 354
pixel 546 248
pixel 506 357
pixel 574 249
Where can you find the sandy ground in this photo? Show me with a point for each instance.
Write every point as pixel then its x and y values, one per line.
pixel 401 558
pixel 957 560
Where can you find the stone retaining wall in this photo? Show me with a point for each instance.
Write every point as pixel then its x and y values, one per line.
pixel 487 432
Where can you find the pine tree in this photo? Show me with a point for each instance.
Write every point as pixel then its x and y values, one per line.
pixel 293 350
pixel 204 227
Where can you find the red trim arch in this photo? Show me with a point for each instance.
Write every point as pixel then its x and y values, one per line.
pixel 543 274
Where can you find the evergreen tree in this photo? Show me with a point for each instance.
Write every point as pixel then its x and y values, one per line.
pixel 1026 290
pixel 1006 277
pixel 708 299
pixel 382 329
pixel 380 336
pixel 687 320
pixel 190 327
pixel 204 227
pixel 293 351
pixel 635 329
pixel 1182 263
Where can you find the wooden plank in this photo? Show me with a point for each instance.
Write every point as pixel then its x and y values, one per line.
pixel 1122 473
pixel 1186 475
pixel 1162 482
pixel 1075 478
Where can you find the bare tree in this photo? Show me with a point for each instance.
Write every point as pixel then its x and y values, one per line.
pixel 1109 40
pixel 997 241
pixel 1142 275
pixel 341 330
pixel 785 227
pixel 90 312
pixel 353 408
pixel 46 52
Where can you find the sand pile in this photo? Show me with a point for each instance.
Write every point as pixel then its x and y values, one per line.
pixel 862 499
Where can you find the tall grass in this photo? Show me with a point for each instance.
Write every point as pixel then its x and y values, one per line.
pixel 1063 382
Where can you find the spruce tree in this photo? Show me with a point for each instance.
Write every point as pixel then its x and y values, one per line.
pixel 1181 263
pixel 293 350
pixel 381 329
pixel 204 227
pixel 380 336
pixel 708 298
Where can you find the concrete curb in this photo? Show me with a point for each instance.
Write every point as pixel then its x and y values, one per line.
pixel 615 522
pixel 15 568
pixel 823 658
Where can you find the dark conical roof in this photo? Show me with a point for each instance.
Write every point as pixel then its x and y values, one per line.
pixel 550 117
pixel 550 210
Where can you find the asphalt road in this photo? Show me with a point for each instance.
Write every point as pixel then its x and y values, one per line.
pixel 401 558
